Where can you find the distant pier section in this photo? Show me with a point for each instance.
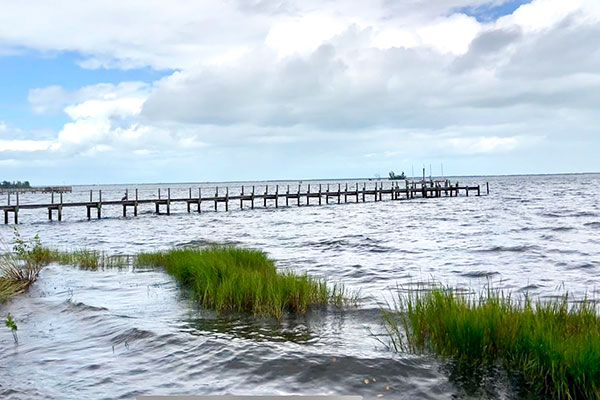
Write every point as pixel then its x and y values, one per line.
pixel 36 189
pixel 242 196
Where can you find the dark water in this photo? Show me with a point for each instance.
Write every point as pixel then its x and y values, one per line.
pixel 121 333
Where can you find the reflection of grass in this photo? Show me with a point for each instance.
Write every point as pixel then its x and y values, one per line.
pixel 229 279
pixel 554 345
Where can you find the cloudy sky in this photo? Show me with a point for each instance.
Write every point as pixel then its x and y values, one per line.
pixel 193 90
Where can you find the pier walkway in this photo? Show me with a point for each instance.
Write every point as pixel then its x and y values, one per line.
pixel 275 195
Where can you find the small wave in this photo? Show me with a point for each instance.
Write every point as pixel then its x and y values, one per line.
pixel 479 274
pixel 512 249
pixel 552 215
pixel 131 335
pixel 202 243
pixel 595 224
pixel 585 266
pixel 562 229
pixel 81 307
pixel 584 214
pixel 530 287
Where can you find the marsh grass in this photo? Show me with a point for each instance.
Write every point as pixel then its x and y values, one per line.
pixel 554 345
pixel 88 259
pixel 21 264
pixel 230 279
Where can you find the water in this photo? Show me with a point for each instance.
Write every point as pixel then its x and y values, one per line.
pixel 121 333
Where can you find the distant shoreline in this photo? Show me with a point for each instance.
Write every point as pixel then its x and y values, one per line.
pixel 326 179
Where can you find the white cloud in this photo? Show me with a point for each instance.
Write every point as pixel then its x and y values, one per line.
pixel 378 77
pixel 24 145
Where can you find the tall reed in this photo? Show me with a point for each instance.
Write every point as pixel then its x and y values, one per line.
pixel 555 344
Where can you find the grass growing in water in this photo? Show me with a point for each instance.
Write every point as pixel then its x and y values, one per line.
pixel 20 267
pixel 554 345
pixel 229 279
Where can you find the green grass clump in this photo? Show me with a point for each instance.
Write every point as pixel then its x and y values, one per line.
pixel 88 259
pixel 555 345
pixel 229 279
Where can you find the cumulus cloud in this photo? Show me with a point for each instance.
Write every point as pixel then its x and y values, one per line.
pixel 380 78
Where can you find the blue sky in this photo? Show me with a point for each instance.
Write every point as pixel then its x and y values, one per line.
pixel 491 11
pixel 207 91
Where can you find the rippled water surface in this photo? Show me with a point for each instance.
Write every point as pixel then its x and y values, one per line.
pixel 121 333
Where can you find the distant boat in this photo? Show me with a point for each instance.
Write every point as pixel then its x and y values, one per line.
pixel 394 177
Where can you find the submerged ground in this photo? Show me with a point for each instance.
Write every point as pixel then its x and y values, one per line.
pixel 87 334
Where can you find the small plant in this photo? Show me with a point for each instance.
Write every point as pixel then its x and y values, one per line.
pixel 12 325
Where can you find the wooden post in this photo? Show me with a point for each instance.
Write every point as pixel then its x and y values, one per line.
pixel 487 184
pixel 159 193
pixel 478 190
pixel 357 192
pixel 320 193
pixel 216 196
pixel 307 196
pixel 252 200
pixel 467 190
pixel 50 214
pixel 346 193
pixel 16 212
pixel 276 196
pixel 241 198
pixel 60 208
pixel 5 217
pixel 298 195
pixel 199 200
pixel 168 201
pixel 124 210
pixel 339 193
pixel 265 196
pixel 135 205
pixel 287 195
pixel 91 196
pixel 364 190
pixel 8 201
pixel 99 206
pixel 327 195
pixel 227 198
pixel 53 197
pixel 189 205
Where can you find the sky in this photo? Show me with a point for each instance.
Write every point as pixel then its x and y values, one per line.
pixel 190 91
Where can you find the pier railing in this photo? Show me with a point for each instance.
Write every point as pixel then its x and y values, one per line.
pixel 247 196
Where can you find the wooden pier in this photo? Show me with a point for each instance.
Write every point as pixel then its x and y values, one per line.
pixel 248 197
pixel 38 189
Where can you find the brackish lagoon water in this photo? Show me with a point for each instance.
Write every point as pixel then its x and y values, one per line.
pixel 120 333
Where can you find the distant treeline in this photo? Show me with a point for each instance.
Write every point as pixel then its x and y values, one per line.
pixel 15 185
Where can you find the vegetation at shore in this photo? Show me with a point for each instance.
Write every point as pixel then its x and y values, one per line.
pixel 230 279
pixel 14 185
pixel 224 279
pixel 554 345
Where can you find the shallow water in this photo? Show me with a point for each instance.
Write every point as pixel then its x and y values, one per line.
pixel 120 333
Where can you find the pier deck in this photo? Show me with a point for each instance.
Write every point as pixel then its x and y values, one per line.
pixel 392 190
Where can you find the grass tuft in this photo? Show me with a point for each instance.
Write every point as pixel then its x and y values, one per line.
pixel 555 345
pixel 229 279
